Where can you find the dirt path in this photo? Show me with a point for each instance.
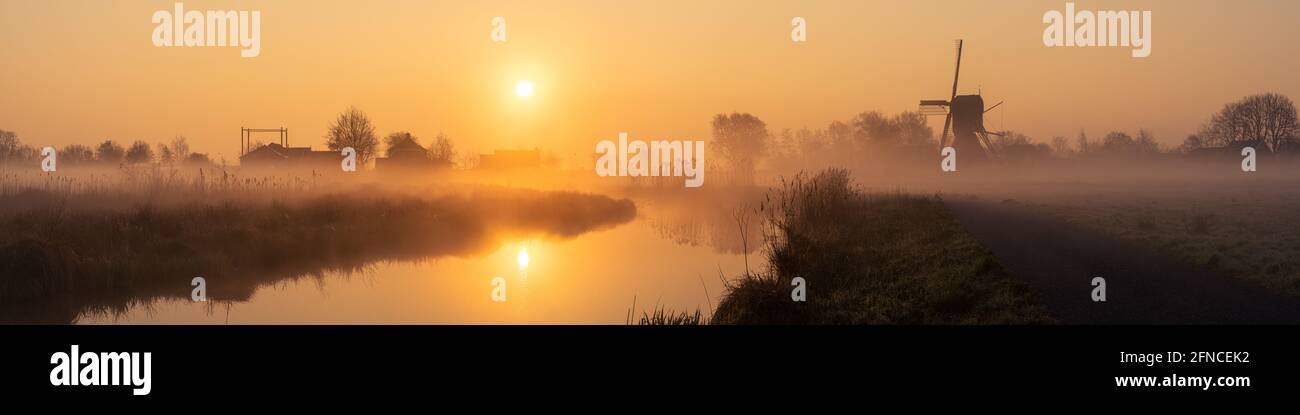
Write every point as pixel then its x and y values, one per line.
pixel 1058 262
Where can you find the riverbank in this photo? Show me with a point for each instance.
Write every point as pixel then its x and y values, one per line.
pixel 871 258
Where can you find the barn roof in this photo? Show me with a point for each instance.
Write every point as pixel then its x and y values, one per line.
pixel 406 144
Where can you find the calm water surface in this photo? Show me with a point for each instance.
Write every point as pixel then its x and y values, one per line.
pixel 591 279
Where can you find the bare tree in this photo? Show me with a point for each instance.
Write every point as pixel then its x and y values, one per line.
pixel 1269 118
pixel 1061 147
pixel 1117 143
pixel 110 152
pixel 179 147
pixel 75 154
pixel 1120 144
pixel 165 153
pixel 874 128
pixel 812 143
pixel 442 149
pixel 26 153
pixel 1084 147
pixel 467 161
pixel 140 152
pixel 912 129
pixel 9 145
pixel 841 140
pixel 353 129
pixel 1146 143
pixel 1011 139
pixel 741 139
pixel 783 146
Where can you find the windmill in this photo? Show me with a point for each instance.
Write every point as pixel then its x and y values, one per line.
pixel 965 114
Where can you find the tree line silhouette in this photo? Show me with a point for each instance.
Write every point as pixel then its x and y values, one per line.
pixel 743 141
pixel 353 128
pixel 108 152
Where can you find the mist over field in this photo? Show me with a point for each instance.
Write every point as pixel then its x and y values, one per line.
pixel 772 145
pixel 117 228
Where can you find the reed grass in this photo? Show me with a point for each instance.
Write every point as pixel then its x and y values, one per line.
pixel 870 258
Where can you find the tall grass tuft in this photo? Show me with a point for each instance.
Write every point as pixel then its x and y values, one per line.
pixel 870 258
pixel 667 317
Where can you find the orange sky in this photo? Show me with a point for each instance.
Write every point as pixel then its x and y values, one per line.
pixel 82 71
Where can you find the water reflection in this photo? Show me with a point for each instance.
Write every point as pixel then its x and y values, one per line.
pixel 728 221
pixel 551 274
pixel 465 236
pixel 590 279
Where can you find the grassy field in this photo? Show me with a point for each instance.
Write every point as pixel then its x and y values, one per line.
pixel 1246 232
pixel 871 258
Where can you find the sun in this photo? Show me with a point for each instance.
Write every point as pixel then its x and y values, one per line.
pixel 523 258
pixel 524 88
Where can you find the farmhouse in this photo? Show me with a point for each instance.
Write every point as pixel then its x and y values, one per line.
pixel 407 154
pixel 1228 154
pixel 280 155
pixel 276 155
